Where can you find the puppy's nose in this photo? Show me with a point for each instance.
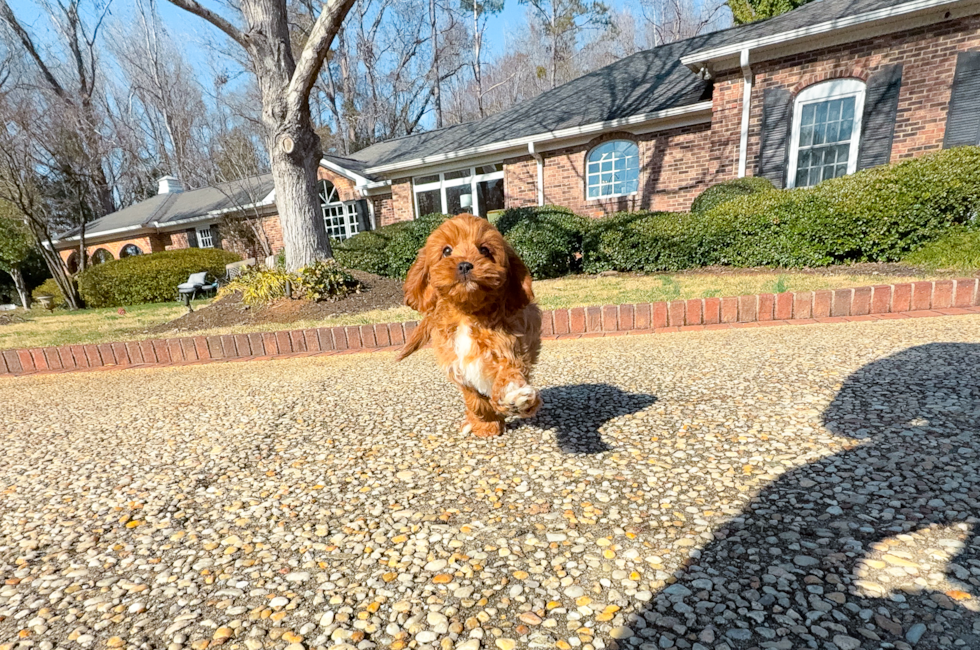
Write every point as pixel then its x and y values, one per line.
pixel 464 268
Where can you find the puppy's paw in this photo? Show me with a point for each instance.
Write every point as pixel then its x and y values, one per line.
pixel 522 400
pixel 483 429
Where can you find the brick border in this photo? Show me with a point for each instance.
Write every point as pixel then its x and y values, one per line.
pixel 880 302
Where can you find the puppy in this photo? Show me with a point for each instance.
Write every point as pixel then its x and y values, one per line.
pixel 475 295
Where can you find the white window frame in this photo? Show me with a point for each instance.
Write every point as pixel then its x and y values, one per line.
pixel 589 162
pixel 823 92
pixel 347 209
pixel 200 229
pixel 472 180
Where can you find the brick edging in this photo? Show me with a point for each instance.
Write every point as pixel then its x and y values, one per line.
pixel 863 303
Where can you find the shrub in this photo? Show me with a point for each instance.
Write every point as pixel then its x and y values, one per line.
pixel 548 239
pixel 49 288
pixel 259 286
pixel 149 278
pixel 390 250
pixel 651 242
pixel 326 280
pixel 726 191
pixel 876 215
pixel 958 250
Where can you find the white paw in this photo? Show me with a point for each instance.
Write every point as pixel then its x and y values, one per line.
pixel 522 400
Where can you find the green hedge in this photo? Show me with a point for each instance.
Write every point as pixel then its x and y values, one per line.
pixel 149 278
pixel 548 239
pixel 878 215
pixel 389 250
pixel 726 191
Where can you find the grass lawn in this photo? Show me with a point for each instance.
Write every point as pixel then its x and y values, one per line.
pixel 61 327
pixel 102 325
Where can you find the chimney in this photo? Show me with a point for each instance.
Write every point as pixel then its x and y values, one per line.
pixel 170 185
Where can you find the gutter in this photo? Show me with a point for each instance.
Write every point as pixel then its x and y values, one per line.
pixel 690 114
pixel 699 60
pixel 743 141
pixel 540 164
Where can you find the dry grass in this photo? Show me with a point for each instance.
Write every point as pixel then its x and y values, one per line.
pixel 102 325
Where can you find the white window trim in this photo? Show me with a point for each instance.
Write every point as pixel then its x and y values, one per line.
pixel 472 180
pixel 197 233
pixel 351 225
pixel 822 92
pixel 606 197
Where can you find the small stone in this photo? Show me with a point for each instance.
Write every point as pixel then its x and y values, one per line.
pixel 738 634
pixel 506 644
pixel 279 601
pixel 805 561
pixel 915 633
pixel 115 642
pixel 846 642
pixel 620 633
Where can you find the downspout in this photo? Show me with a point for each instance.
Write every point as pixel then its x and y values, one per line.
pixel 743 143
pixel 540 160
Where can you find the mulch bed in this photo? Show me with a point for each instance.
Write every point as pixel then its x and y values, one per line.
pixel 378 293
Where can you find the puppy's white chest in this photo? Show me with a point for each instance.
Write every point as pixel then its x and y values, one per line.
pixel 468 368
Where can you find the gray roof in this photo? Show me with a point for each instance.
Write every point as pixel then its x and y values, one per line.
pixel 645 82
pixel 169 209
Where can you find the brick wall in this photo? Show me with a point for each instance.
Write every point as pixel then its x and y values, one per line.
pixel 401 200
pixel 674 168
pixel 520 182
pixel 384 209
pixel 928 55
pixel 146 243
pixel 345 186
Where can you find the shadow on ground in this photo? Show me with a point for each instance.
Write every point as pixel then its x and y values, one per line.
pixel 788 573
pixel 578 412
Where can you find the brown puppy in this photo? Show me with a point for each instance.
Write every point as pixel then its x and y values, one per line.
pixel 478 309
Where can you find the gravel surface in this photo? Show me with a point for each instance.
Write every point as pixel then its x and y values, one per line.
pixel 794 487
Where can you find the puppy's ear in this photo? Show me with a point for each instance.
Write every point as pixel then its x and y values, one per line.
pixel 519 291
pixel 418 294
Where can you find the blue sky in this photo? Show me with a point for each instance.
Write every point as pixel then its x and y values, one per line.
pixel 194 32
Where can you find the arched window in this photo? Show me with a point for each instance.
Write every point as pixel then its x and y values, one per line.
pixel 613 169
pixel 826 132
pixel 101 256
pixel 340 218
pixel 72 263
pixel 129 250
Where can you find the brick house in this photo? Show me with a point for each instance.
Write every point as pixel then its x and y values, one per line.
pixel 828 89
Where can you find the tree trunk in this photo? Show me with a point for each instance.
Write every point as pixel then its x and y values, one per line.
pixel 293 145
pixel 21 286
pixel 82 257
pixel 477 38
pixel 436 90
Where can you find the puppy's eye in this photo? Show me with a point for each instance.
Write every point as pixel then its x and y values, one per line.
pixel 447 251
pixel 484 251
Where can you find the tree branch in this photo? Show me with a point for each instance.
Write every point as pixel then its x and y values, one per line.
pixel 195 8
pixel 327 25
pixel 7 15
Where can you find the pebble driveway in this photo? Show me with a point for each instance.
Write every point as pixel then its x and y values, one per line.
pixel 811 487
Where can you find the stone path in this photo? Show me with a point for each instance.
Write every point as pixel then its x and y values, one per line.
pixel 783 488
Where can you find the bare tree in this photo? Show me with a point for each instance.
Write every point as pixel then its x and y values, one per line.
pixel 285 83
pixel 162 99
pixel 673 20
pixel 73 94
pixel 562 21
pixel 480 11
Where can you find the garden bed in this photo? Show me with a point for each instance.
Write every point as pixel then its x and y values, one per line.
pixel 377 293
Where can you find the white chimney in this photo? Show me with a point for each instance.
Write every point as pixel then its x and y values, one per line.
pixel 170 185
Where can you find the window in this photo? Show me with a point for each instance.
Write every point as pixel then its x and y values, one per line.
pixel 613 169
pixel 826 132
pixel 205 238
pixel 339 217
pixel 101 256
pixel 129 250
pixel 477 190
